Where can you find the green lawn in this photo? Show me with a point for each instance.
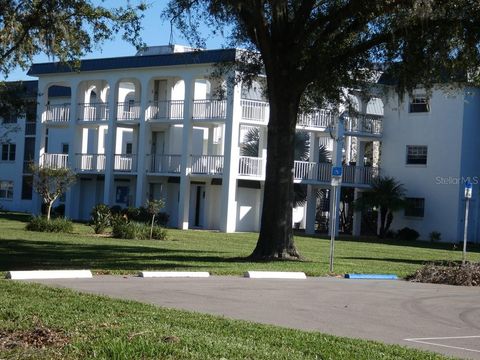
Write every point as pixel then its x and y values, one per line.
pixel 93 327
pixel 218 253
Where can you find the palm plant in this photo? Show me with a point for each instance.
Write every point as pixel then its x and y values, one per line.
pixel 386 195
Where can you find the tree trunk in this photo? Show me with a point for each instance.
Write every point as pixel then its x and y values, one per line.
pixel 49 210
pixel 383 219
pixel 151 226
pixel 276 234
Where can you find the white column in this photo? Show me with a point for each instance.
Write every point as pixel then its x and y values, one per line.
pixel 184 201
pixel 231 154
pixel 41 131
pixel 357 216
pixel 75 137
pixel 314 146
pixel 142 146
pixel 110 143
pixel 376 153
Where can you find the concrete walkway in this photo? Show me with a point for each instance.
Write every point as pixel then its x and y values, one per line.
pixel 440 318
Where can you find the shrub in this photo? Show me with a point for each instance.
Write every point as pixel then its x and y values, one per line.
pixel 162 218
pixel 448 273
pixel 124 229
pixel 390 234
pixel 435 236
pixel 407 234
pixel 116 210
pixel 158 233
pixel 101 217
pixel 58 225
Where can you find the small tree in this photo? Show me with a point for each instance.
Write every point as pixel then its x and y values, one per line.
pixel 386 194
pixel 51 183
pixel 153 208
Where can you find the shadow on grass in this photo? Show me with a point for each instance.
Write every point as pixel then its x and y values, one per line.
pixel 22 217
pixel 20 254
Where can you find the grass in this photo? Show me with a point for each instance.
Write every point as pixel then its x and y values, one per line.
pixel 101 328
pixel 218 253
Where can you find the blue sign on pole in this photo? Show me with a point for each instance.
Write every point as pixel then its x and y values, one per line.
pixel 337 171
pixel 468 190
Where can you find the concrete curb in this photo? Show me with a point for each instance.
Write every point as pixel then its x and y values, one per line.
pixel 49 274
pixel 174 274
pixel 275 275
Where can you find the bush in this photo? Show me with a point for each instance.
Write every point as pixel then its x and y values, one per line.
pixel 58 225
pixel 101 217
pixel 116 210
pixel 158 233
pixel 407 234
pixel 124 229
pixel 448 273
pixel 435 236
pixel 390 234
pixel 162 218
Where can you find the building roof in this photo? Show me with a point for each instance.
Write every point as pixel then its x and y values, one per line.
pixel 129 62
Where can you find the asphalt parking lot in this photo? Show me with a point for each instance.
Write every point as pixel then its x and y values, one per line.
pixel 440 318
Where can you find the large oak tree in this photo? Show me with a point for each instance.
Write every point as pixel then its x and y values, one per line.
pixel 323 46
pixel 64 29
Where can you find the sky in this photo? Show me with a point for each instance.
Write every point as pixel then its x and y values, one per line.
pixel 155 32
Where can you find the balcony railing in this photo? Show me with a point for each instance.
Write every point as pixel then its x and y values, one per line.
pixel 128 111
pixel 319 118
pixel 90 162
pixel 370 124
pixel 166 110
pixel 207 164
pixel 209 109
pixel 321 172
pixel 125 162
pixel 250 166
pixel 169 164
pixel 93 112
pixel 253 110
pixel 57 114
pixel 54 161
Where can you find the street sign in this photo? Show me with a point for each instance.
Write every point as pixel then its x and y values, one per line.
pixel 468 190
pixel 337 171
pixel 336 175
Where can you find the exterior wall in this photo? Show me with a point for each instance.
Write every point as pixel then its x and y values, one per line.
pixel 470 165
pixel 248 209
pixel 440 130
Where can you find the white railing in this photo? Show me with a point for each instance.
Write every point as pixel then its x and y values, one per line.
pixel 370 124
pixel 93 112
pixel 166 110
pixel 207 164
pixel 125 162
pixel 128 111
pixel 209 109
pixel 57 113
pixel 321 172
pixel 169 164
pixel 54 161
pixel 90 162
pixel 250 166
pixel 253 110
pixel 319 118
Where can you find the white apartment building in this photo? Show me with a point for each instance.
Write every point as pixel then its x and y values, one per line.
pixel 150 126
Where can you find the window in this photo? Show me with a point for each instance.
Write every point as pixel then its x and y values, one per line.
pixel 8 152
pixel 6 190
pixel 415 207
pixel 27 182
pixel 417 155
pixel 129 148
pixel 64 148
pixel 419 104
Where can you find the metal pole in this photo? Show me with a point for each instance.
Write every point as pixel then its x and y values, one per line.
pixel 333 226
pixel 465 231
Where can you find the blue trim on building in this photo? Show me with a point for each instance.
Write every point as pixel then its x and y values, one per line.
pixel 129 62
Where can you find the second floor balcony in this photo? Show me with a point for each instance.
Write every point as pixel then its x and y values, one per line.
pixel 57 114
pixel 54 161
pixel 93 112
pixel 311 172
